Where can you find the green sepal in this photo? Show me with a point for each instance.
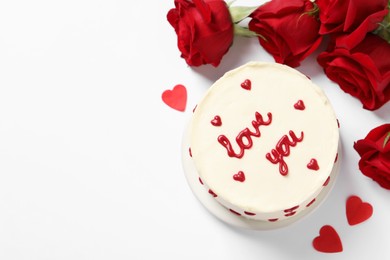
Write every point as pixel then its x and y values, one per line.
pixel 244 31
pixel 387 139
pixel 239 13
pixel 383 29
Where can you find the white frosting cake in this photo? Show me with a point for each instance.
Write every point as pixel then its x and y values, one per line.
pixel 264 140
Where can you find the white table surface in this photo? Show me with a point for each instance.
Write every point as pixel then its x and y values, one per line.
pixel 90 164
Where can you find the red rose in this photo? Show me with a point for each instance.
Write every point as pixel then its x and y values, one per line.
pixel 354 18
pixel 204 30
pixel 289 32
pixel 374 151
pixel 362 72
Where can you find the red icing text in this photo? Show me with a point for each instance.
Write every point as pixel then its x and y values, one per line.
pixel 245 134
pixel 282 149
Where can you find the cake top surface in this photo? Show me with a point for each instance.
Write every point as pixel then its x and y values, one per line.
pixel 264 137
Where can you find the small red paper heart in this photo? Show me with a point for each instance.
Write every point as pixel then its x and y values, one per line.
pixel 299 105
pixel 328 241
pixel 247 84
pixel 216 121
pixel 176 98
pixel 357 211
pixel 313 165
pixel 240 176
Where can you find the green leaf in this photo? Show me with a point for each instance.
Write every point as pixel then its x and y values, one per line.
pixel 387 139
pixel 239 13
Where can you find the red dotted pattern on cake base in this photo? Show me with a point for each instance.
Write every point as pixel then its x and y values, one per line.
pixel 212 193
pixel 249 213
pixel 310 203
pixel 235 212
pixel 290 214
pixel 326 182
pixel 291 211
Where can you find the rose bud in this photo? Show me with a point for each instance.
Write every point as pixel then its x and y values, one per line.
pixel 288 29
pixel 204 30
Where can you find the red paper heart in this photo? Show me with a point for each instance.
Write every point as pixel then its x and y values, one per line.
pixel 299 105
pixel 247 84
pixel 176 98
pixel 328 241
pixel 216 121
pixel 240 176
pixel 357 210
pixel 313 165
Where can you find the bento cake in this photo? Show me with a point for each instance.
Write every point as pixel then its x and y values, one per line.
pixel 264 141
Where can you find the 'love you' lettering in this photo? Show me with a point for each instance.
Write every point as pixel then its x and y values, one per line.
pixel 246 135
pixel 282 149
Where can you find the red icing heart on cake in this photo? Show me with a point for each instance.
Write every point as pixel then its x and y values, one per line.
pixel 216 121
pixel 313 165
pixel 299 105
pixel 240 176
pixel 176 98
pixel 328 241
pixel 357 211
pixel 247 84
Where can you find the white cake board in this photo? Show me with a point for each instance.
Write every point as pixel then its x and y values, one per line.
pixel 224 214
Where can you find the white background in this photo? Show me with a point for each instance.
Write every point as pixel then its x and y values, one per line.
pixel 90 163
